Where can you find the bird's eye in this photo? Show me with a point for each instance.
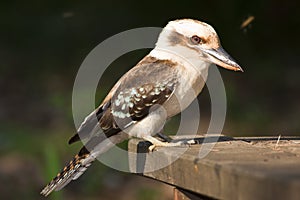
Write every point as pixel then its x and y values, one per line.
pixel 196 39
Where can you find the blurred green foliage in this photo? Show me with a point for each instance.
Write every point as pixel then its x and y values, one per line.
pixel 52 163
pixel 44 42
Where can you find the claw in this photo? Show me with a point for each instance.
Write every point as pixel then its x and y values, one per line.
pixel 152 148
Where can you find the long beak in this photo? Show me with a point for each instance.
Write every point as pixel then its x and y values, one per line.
pixel 221 58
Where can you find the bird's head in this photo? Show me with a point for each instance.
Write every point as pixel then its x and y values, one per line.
pixel 198 38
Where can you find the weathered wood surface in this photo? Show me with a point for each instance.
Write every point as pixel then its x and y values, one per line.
pixel 236 168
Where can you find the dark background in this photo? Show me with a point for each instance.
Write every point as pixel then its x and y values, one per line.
pixel 43 44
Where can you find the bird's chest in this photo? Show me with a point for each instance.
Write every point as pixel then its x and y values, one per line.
pixel 189 85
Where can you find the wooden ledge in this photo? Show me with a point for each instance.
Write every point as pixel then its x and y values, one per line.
pixel 235 168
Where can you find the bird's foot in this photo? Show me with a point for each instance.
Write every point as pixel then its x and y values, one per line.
pixel 157 143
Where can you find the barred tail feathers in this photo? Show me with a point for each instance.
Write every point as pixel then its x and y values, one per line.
pixel 72 171
pixel 97 146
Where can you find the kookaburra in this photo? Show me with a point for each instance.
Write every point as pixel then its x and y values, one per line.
pixel 160 86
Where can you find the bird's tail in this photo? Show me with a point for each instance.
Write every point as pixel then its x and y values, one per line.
pixel 71 171
pixel 97 145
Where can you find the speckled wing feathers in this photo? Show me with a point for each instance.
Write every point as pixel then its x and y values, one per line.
pixel 150 82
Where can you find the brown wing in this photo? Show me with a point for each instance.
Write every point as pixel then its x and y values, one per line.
pixel 148 83
pixel 135 104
